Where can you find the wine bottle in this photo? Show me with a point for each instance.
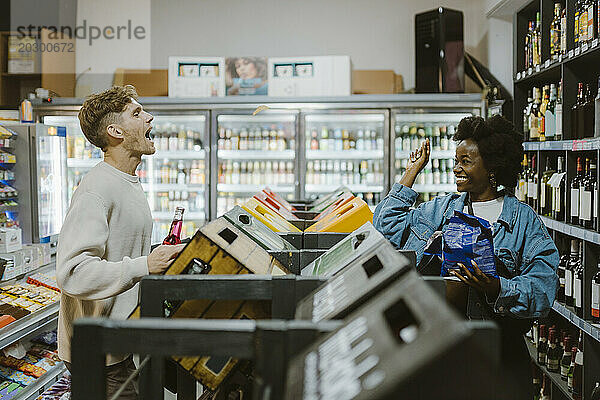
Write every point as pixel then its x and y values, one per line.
pixel 542 346
pixel 578 283
pixel 559 191
pixel 546 190
pixel 596 296
pixel 569 271
pixel 562 264
pixel 575 183
pixel 565 361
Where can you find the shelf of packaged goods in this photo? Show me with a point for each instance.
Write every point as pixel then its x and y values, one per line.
pixel 441 154
pixel 572 230
pixel 344 155
pixel 256 155
pixel 82 162
pixel 593 330
pixel 431 188
pixel 43 383
pixel 166 187
pixel 36 322
pixel 256 119
pixel 180 155
pixel 561 145
pixel 353 188
pixel 554 376
pixel 188 216
pixel 9 208
pixel 232 188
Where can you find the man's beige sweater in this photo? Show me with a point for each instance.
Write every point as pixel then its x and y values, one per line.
pixel 102 251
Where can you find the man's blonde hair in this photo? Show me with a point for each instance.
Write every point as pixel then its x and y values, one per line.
pixel 102 109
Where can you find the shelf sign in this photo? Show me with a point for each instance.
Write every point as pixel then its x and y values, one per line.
pixel 560 58
pixel 577 51
pixel 529 71
pixel 578 145
pixel 518 75
pixel 570 53
pixel 537 68
pixel 594 43
pixel 547 64
pixel 584 48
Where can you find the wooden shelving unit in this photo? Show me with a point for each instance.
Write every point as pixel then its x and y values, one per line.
pixel 14 87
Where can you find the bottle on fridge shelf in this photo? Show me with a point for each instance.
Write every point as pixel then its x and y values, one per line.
pixel 575 184
pixel 520 191
pixel 536 381
pixel 542 346
pixel 528 36
pixel 546 190
pixel 588 113
pixel 550 114
pixel 583 19
pixel 537 41
pixel 596 296
pixel 578 283
pixel 535 181
pixel 563 31
pixel 569 272
pixel 590 20
pixel 565 361
pixel 571 369
pixel 555 32
pixel 174 236
pixel 545 390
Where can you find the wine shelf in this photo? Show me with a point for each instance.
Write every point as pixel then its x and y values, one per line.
pixel 593 330
pixel 344 155
pixel 564 145
pixel 554 376
pixel 572 230
pixel 266 155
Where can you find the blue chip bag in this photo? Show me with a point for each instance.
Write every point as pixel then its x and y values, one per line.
pixel 468 238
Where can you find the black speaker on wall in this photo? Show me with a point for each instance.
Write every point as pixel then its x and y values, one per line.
pixel 439 49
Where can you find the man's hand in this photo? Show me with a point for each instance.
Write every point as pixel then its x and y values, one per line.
pixel 479 281
pixel 417 161
pixel 161 257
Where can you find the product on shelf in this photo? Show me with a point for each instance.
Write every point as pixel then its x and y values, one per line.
pixel 265 138
pixel 575 184
pixel 553 352
pixel 556 33
pixel 578 283
pixel 171 137
pixel 542 346
pixel 588 190
pixel 561 270
pixel 566 359
pixel 577 381
pixel 262 172
pixel 596 296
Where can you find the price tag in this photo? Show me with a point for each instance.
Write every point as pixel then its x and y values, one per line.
pixel 518 75
pixel 594 43
pixel 577 51
pixel 547 64
pixel 537 68
pixel 587 145
pixel 577 145
pixel 529 71
pixel 570 54
pixel 560 57
pixel 584 48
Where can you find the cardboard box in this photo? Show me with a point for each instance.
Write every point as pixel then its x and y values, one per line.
pixel 310 76
pixel 58 65
pixel 10 239
pixel 147 82
pixel 376 82
pixel 196 76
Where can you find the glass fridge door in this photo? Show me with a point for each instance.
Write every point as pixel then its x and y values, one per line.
pixel 411 129
pixel 346 148
pixel 51 169
pixel 254 152
pixel 81 154
pixel 177 174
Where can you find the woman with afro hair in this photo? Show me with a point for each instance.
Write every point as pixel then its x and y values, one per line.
pixel 487 165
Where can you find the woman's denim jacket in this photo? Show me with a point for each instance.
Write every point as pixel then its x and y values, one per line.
pixel 521 242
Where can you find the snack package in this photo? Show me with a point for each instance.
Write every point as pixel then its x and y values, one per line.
pixel 467 238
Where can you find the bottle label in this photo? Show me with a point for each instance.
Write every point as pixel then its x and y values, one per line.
pixel 596 299
pixel 586 205
pixel 574 202
pixel 564 370
pixel 550 124
pixel 531 190
pixel 552 364
pixel 570 381
pixel 543 196
pixel 568 283
pixel 577 292
pixel 542 358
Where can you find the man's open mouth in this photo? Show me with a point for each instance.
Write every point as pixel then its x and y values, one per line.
pixel 148 135
pixel 461 179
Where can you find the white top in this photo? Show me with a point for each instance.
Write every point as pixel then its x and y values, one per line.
pixel 489 210
pixel 102 251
